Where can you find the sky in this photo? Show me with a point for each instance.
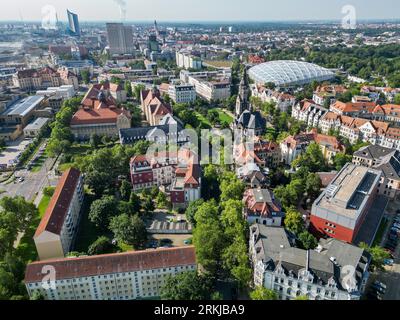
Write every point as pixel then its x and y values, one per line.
pixel 199 10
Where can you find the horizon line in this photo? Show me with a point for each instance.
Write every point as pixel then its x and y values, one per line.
pixel 215 21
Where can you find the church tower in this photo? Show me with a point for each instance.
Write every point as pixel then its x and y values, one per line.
pixel 243 99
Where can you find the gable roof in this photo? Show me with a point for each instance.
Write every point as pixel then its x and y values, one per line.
pixel 69 268
pixel 57 209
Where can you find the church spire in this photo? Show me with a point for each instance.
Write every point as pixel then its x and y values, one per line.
pixel 243 99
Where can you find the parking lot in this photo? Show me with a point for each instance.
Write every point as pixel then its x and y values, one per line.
pixel 384 285
pixel 9 157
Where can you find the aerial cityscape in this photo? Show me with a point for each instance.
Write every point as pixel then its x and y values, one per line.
pixel 146 154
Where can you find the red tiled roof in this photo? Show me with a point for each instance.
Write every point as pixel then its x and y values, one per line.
pixel 54 216
pixel 100 115
pixel 69 268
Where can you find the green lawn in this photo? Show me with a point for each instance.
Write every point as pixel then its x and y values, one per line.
pixel 26 248
pixel 87 233
pixel 224 117
pixel 43 204
pixel 39 163
pixel 202 119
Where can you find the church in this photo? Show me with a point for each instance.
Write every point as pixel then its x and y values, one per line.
pixel 247 119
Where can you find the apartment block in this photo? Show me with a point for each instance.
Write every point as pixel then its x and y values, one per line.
pixel 57 229
pixel 121 276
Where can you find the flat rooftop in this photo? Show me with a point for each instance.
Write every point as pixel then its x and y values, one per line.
pixel 37 124
pixel 23 107
pixel 349 190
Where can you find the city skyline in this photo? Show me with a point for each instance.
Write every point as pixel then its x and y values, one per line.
pixel 174 11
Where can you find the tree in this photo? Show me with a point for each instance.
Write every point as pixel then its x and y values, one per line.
pixel 313 185
pixel 37 295
pixel 125 190
pixel 262 293
pixel 95 140
pixel 294 221
pixel 313 159
pixel 129 229
pixel 186 286
pixel 85 74
pixel 340 160
pixel 134 200
pixel 102 210
pixel 210 186
pixel 236 261
pixel 308 241
pixel 231 187
pixel 162 201
pixel 208 237
pixel 137 91
pixel 378 255
pixel 128 89
pixel 148 205
pixel 397 99
pixel 192 209
pixel 101 246
pixel 301 298
pixel 16 215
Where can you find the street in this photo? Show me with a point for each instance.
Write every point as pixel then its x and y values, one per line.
pixel 391 275
pixel 32 185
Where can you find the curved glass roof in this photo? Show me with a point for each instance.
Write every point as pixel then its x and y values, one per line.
pixel 289 73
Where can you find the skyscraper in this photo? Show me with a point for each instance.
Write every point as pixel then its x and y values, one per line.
pixel 120 38
pixel 73 24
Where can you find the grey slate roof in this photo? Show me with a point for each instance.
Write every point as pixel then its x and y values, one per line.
pixel 276 247
pixel 251 120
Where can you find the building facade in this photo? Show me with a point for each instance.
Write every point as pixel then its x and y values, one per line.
pixel 58 227
pixel 318 274
pixel 384 159
pixel 341 209
pixel 122 276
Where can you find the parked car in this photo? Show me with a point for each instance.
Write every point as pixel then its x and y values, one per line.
pixel 21 179
pixel 380 284
pixel 388 262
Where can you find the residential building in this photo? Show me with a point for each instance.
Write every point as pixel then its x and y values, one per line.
pixel 179 173
pixel 309 112
pixel 353 109
pixel 99 115
pixel 261 206
pixel 36 127
pixel 283 101
pixel 384 159
pixel 327 94
pixel 342 208
pixel 154 107
pixel 32 79
pixel 293 146
pixel 188 61
pixel 356 129
pixel 182 93
pixel 58 227
pixel 121 276
pixel 318 274
pixel 210 86
pixel 120 38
